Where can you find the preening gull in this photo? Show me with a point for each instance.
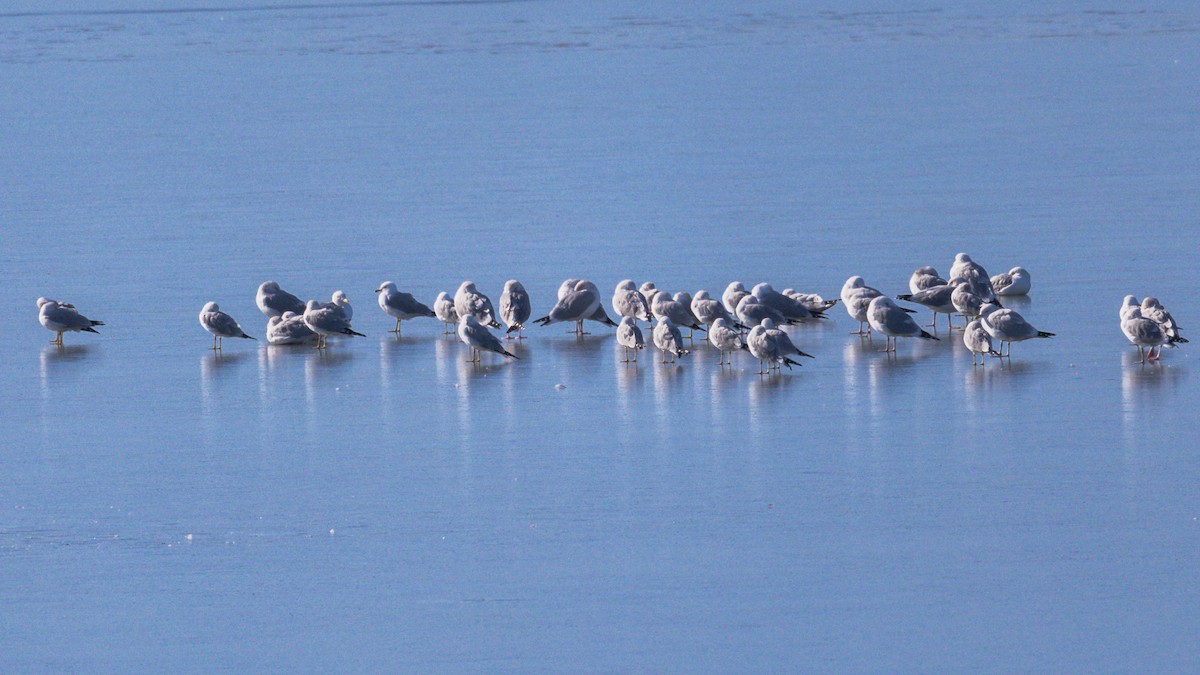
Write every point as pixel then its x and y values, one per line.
pixel 62 317
pixel 220 324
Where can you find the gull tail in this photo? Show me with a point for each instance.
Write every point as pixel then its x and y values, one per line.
pixel 927 335
pixel 493 323
pixel 993 352
pixel 515 327
pixel 508 354
pixel 349 331
pixel 1044 334
pixel 243 335
pixel 699 328
pixel 830 303
pixel 789 363
pixel 89 329
pixel 97 323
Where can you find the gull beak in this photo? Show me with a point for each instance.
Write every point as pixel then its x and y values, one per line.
pixel 378 290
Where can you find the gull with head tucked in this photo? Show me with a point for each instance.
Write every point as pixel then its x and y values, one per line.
pixel 220 325
pixel 62 317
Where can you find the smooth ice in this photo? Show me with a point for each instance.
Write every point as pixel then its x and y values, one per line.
pixel 386 506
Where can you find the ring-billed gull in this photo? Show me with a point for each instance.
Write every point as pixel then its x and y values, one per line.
pixel 62 317
pixel 1152 309
pixel 733 295
pixel 468 300
pixel 725 339
pixel 628 301
pixel 1144 333
pixel 567 286
pixel 599 316
pixel 342 303
pixel 220 324
pixel 399 305
pixel 274 301
pixel 648 290
pixel 811 301
pixel 708 311
pixel 764 347
pixel 978 341
pixel 629 336
pixel 1008 327
pixel 576 305
pixel 478 338
pixel 289 329
pixel 327 321
pixel 938 299
pixel 443 309
pixel 751 312
pixel 685 301
pixel 1013 282
pixel 890 319
pixel 783 341
pixel 1127 306
pixel 515 307
pixel 665 307
pixel 966 301
pixel 789 308
pixel 668 338
pixel 856 298
pixel 967 270
pixel 924 277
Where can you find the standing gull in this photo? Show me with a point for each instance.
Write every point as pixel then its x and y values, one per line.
pixel 1008 327
pixel 1152 309
pixel 725 339
pixel 891 320
pixel 327 321
pixel 967 270
pixel 666 307
pixel 468 300
pixel 443 309
pixel 62 317
pixel 766 348
pixel 1143 333
pixel 221 325
pixel 811 301
pixel 575 305
pixel 399 305
pixel 708 310
pixel 274 301
pixel 515 307
pixel 733 295
pixel 977 341
pixel 668 339
pixel 629 336
pixel 478 338
pixel 341 302
pixel 751 312
pixel 856 298
pixel 789 308
pixel 627 301
pixel 783 341
pixel 938 299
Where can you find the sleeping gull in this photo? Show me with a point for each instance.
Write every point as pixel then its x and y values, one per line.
pixel 783 341
pixel 627 301
pixel 62 317
pixel 966 302
pixel 274 301
pixel 924 277
pixel 764 347
pixel 685 301
pixel 629 336
pixel 856 298
pixel 289 329
pixel 733 295
pixel 443 309
pixel 1143 333
pixel 811 301
pixel 971 272
pixel 399 305
pixel 725 339
pixel 891 320
pixel 751 312
pixel 468 300
pixel 1008 327
pixel 575 305
pixel 220 324
pixel 666 307
pixel 327 321
pixel 668 339
pixel 340 301
pixel 1152 309
pixel 977 341
pixel 515 307
pixel 708 310
pixel 789 308
pixel 477 338
pixel 1013 282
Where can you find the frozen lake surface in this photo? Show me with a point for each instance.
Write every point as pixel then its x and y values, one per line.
pixel 386 506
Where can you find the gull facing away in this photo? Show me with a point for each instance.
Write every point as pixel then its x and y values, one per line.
pixel 707 311
pixel 1013 282
pixel 890 319
pixel 1146 333
pixel 629 336
pixel 856 298
pixel 791 309
pixel 1152 309
pixel 468 300
pixel 62 317
pixel 648 291
pixel 274 301
pixel 783 341
pixel 966 302
pixel 811 301
pixel 289 329
pixel 766 348
pixel 1127 306
pixel 628 301
pixel 575 305
pixel 1008 327
pixel 399 305
pixel 478 339
pixel 666 307
pixel 978 341
pixel 685 300
pixel 725 339
pixel 733 295
pixel 443 309
pixel 924 277
pixel 938 299
pixel 971 272
pixel 515 308
pixel 668 338
pixel 327 321
pixel 221 325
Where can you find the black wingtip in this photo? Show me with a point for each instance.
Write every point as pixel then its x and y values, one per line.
pixel 349 331
pixel 514 327
pixel 1044 334
pixel 929 336
pixel 542 321
pixel 510 355
pixel 243 335
pixel 89 329
pixel 789 363
pixel 1179 339
pixel 907 297
pixel 97 323
pixel 910 311
pixel 494 324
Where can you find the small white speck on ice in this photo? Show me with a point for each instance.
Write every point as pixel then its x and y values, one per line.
pixel 188 537
pixel 560 386
pixel 331 531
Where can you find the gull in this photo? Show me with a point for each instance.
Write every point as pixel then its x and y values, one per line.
pixel 666 307
pixel 274 301
pixel 938 299
pixel 924 277
pixel 648 290
pixel 966 301
pixel 733 295
pixel 685 299
pixel 340 301
pixel 891 320
pixel 978 341
pixel 289 329
pixel 468 300
pixel 599 316
pixel 443 309
pixel 971 272
pixel 707 310
pixel 668 339
pixel 629 336
pixel 751 312
pixel 627 301
pixel 856 298
pixel 515 307
pixel 811 301
pixel 789 308
pixel 1013 282
pixel 478 338
pixel 566 287
pixel 1143 333
pixel 1127 306
pixel 1152 309
pixel 220 324
pixel 575 305
pixel 1008 326
pixel 783 341
pixel 399 305
pixel 62 317
pixel 726 339
pixel 327 321
pixel 764 347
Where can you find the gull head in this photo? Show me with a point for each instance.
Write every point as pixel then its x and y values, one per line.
pixel 854 282
pixel 736 286
pixel 627 285
pixel 211 307
pixel 987 309
pixel 767 324
pixel 761 288
pixel 269 287
pixel 1151 302
pixel 385 286
pixel 701 295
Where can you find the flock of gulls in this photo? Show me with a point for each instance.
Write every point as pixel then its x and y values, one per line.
pixel 740 321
